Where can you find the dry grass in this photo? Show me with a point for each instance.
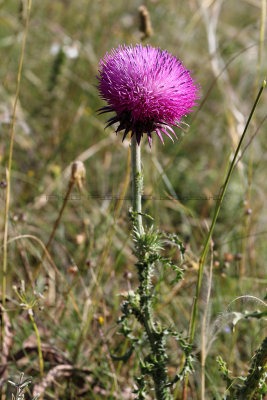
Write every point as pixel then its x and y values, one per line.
pixel 90 259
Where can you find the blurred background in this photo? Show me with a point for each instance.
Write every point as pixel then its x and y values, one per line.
pixel 222 43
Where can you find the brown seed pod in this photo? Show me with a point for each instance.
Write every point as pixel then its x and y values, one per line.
pixel 145 22
pixel 78 173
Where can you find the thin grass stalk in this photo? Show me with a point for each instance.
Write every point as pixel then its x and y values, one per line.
pixel 77 177
pixel 112 230
pixel 247 216
pixel 204 327
pixel 118 369
pixel 8 171
pixel 216 213
pixel 97 280
pixel 261 40
pixel 111 364
pixel 42 245
pixel 213 223
pixel 29 307
pixel 55 226
pixel 66 198
pixel 39 346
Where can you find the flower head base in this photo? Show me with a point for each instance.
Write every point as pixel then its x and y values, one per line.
pixel 148 89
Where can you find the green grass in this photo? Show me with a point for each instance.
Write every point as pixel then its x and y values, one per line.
pixel 57 121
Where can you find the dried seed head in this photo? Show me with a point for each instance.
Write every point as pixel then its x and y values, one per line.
pixel 78 173
pixel 145 23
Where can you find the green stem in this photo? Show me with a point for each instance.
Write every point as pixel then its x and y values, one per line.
pixel 156 339
pixel 214 220
pixel 137 183
pixel 9 167
pixel 39 346
pixel 8 170
pixel 216 213
pixel 145 270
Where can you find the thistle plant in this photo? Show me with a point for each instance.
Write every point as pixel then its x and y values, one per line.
pixel 150 91
pixel 254 385
pixel 20 388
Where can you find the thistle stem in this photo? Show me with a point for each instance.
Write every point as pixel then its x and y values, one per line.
pixel 256 373
pixel 137 183
pixel 145 267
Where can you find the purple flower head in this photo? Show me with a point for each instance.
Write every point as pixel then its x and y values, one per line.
pixel 148 89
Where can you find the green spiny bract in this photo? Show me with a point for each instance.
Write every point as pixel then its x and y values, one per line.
pixel 147 245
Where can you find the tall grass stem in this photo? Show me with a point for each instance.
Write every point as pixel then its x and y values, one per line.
pixel 9 167
pixel 204 327
pixel 213 223
pixel 216 213
pixel 55 226
pixel 39 346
